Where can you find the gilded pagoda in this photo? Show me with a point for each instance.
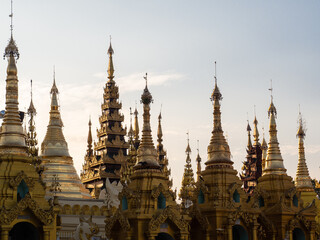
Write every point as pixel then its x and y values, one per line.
pixel 148 209
pixel 252 167
pixel 110 152
pixel 24 211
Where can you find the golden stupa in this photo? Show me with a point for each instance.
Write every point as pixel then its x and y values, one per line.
pixel 56 160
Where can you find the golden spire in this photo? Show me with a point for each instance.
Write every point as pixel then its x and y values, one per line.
pixel 54 143
pixel 160 151
pixel 188 184
pixel 130 132
pixel 274 161
pixel 110 66
pixel 89 141
pixel 146 154
pixel 198 159
pixel 136 129
pixel 31 135
pixel 255 132
pixel 249 146
pixel 264 148
pixel 218 149
pixel 12 134
pixel 303 180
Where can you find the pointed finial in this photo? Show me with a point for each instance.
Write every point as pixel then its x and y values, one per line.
pixel 198 147
pixel 54 88
pixel 271 90
pixel 146 78
pixel 110 50
pixel 215 72
pixel 11 16
pixel 188 150
pixel 272 109
pixel 31 89
pixel 216 95
pixel 11 49
pixel 131 116
pixel 90 124
pixel 146 97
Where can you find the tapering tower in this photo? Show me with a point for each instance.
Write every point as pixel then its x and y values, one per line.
pixel 188 183
pixel 278 198
pixel 56 160
pixel 147 209
pixel 32 141
pixel 127 166
pixel 219 194
pixel 198 160
pixel 264 147
pixel 274 161
pixel 252 167
pixel 162 155
pixel 24 211
pixel 303 180
pixel 111 148
pixel 136 129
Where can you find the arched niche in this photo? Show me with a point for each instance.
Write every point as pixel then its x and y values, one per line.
pixel 239 233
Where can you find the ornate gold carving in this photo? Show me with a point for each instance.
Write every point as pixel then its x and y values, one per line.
pixel 168 213
pixel 14 182
pixel 123 221
pixel 8 215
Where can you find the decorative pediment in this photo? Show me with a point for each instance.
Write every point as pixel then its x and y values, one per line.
pixel 9 215
pixel 160 189
pixel 14 182
pixel 247 218
pixel 196 213
pixel 168 213
pixel 123 221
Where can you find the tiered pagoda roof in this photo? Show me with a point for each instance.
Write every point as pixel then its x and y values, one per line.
pixel 110 151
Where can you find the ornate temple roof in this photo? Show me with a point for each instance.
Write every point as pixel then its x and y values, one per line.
pixel 147 154
pixel 218 149
pixel 54 143
pixel 274 161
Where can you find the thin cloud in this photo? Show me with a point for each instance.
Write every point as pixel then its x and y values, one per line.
pixel 136 82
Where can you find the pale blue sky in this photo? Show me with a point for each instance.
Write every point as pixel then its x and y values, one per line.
pixel 176 42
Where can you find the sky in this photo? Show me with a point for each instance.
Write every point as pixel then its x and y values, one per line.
pixel 177 43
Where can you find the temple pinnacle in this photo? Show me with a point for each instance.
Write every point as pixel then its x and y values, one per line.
pixel 218 149
pixel 146 154
pixel 303 180
pixel 110 66
pixel 274 161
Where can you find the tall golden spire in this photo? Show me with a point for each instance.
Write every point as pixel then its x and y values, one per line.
pixel 303 180
pixel 188 184
pixel 161 153
pixel 218 149
pixel 249 145
pixel 274 161
pixel 110 66
pixel 255 132
pixel 264 148
pixel 198 159
pixel 12 134
pixel 54 143
pixel 147 154
pixel 89 141
pixel 136 129
pixel 31 135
